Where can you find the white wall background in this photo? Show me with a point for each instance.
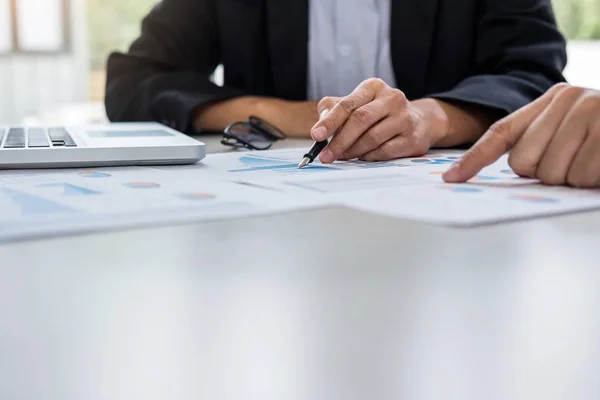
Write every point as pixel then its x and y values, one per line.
pixel 584 64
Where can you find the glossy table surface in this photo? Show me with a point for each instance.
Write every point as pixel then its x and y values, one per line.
pixel 328 304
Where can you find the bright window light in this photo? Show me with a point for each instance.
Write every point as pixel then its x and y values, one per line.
pixel 40 25
pixel 6 42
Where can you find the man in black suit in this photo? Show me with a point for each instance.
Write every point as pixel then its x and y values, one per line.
pixel 458 66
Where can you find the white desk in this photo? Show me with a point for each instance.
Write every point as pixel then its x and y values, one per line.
pixel 330 304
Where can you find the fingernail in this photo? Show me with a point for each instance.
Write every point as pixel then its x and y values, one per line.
pixel 326 157
pixel 319 134
pixel 324 113
pixel 453 173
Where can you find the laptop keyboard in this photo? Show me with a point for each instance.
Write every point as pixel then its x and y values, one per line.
pixel 23 138
pixel 15 139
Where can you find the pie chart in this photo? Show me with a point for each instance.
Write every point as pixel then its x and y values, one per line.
pixel 536 199
pixel 198 196
pixel 462 189
pixel 142 185
pixel 484 178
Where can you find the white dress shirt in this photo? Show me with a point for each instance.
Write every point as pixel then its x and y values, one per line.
pixel 349 42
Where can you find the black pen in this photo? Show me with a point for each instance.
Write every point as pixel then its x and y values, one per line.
pixel 313 153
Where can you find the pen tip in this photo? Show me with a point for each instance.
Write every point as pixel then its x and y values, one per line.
pixel 304 163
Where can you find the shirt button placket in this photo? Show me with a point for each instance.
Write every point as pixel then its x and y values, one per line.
pixel 345 50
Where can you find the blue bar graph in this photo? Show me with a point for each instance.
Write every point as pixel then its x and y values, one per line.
pixel 71 190
pixel 34 205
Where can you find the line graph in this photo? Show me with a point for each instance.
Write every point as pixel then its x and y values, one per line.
pixel 257 163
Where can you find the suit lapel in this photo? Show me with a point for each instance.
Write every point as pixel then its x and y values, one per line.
pixel 287 22
pixel 412 30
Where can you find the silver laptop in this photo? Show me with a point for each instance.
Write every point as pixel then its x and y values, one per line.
pixel 96 146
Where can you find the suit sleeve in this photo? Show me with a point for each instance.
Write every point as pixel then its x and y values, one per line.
pixel 165 75
pixel 520 55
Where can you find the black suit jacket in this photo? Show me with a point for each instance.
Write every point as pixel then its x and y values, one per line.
pixel 500 54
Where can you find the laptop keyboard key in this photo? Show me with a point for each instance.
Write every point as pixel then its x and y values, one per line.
pixel 15 139
pixel 38 138
pixel 60 137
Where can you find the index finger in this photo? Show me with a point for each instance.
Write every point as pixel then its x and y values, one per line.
pixel 499 139
pixel 339 114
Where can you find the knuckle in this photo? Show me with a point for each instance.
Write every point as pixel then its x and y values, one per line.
pixel 500 128
pixel 571 91
pixel 390 150
pixel 589 103
pixel 385 152
pixel 549 177
pixel 371 140
pixel 325 103
pixel 375 82
pixel 362 116
pixel 559 87
pixel 521 165
pixel 407 123
pixel 348 105
pixel 398 96
pixel 501 133
pixel 329 122
pixel 569 96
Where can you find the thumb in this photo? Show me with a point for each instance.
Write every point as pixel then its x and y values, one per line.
pixel 499 139
pixel 323 108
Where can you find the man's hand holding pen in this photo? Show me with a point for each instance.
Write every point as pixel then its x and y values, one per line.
pixel 378 123
pixel 375 122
